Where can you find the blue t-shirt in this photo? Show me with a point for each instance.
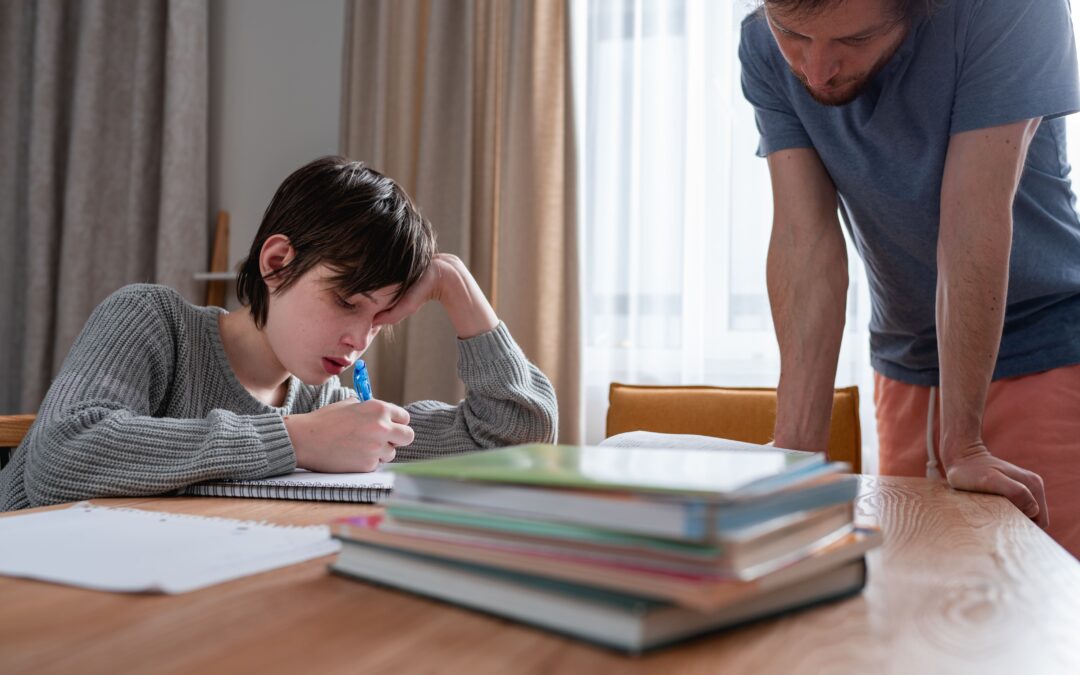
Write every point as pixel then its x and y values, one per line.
pixel 973 64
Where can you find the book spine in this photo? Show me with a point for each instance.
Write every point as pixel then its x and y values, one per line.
pixel 321 493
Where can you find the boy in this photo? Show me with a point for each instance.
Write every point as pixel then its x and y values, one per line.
pixel 157 394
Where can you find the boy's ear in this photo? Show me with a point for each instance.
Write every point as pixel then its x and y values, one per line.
pixel 277 252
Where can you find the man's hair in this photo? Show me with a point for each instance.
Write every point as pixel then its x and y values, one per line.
pixel 351 218
pixel 902 9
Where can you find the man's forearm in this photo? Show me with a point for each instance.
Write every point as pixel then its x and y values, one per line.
pixel 973 279
pixel 982 171
pixel 808 294
pixel 807 278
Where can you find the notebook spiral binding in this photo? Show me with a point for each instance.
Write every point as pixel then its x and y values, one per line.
pixel 291 490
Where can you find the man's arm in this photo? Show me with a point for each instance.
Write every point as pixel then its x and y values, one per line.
pixel 807 278
pixel 982 172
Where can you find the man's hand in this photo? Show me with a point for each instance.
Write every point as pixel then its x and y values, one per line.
pixel 976 470
pixel 349 436
pixel 447 281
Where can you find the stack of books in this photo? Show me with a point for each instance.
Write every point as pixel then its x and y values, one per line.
pixel 627 547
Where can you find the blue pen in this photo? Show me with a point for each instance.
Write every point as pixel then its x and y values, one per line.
pixel 361 381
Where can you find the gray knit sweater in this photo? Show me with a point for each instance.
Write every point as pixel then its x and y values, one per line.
pixel 146 403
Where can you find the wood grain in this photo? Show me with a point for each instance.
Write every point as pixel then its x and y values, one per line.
pixel 13 428
pixel 964 583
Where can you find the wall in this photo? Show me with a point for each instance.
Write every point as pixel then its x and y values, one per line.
pixel 275 101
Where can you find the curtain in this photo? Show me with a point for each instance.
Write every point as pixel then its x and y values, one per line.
pixel 103 172
pixel 467 104
pixel 677 210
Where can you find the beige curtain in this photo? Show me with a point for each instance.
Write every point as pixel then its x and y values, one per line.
pixel 467 104
pixel 102 168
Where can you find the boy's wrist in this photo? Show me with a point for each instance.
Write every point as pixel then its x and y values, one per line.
pixel 294 427
pixel 465 303
pixel 471 320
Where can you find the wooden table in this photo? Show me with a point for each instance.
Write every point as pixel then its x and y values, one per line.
pixel 964 583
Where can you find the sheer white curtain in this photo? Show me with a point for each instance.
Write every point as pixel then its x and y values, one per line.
pixel 677 209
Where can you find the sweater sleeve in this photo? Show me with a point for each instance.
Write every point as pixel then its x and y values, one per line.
pixel 97 434
pixel 508 401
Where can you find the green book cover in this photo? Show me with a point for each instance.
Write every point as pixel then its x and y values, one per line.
pixel 711 473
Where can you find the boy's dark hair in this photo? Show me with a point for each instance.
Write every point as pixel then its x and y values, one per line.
pixel 347 216
pixel 903 10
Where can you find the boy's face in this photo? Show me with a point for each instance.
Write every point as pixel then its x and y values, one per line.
pixel 315 331
pixel 836 51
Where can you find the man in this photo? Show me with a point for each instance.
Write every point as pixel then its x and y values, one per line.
pixel 936 128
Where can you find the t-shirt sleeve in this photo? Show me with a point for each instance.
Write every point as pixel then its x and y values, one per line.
pixel 1017 62
pixel 763 87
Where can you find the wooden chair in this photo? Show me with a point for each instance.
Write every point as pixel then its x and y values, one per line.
pixel 739 413
pixel 217 289
pixel 12 430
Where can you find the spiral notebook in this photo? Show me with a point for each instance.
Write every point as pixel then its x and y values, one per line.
pixel 365 488
pixel 135 551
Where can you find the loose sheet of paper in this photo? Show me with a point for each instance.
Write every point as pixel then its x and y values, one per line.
pixel 649 439
pixel 130 550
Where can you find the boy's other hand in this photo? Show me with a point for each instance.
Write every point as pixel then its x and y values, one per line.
pixel 447 281
pixel 349 436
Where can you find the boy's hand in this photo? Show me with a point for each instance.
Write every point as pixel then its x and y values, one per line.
pixel 448 281
pixel 348 436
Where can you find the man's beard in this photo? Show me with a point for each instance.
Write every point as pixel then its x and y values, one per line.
pixel 847 97
pixel 859 81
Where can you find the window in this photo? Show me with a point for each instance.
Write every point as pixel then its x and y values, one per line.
pixel 677 208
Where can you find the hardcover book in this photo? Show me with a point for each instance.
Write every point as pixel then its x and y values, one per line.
pixel 702 591
pixel 625 621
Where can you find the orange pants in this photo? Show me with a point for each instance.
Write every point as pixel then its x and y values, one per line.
pixel 1032 421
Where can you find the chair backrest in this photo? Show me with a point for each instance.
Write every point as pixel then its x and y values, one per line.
pixel 739 413
pixel 217 290
pixel 12 430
